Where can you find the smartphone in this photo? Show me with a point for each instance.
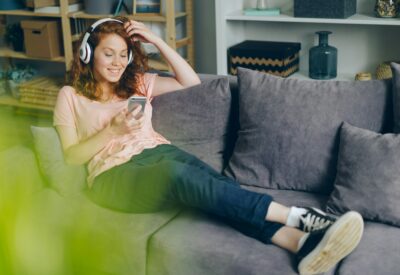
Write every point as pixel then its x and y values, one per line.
pixel 133 101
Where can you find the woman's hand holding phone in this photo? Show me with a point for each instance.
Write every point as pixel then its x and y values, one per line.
pixel 127 122
pixel 133 101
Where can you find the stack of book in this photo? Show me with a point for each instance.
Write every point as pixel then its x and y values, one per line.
pixel 41 91
pixel 263 12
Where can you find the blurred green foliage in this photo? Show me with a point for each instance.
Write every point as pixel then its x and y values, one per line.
pixel 44 233
pixel 40 231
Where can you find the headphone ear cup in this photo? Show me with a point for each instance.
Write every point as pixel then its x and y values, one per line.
pixel 82 53
pixel 130 57
pixel 89 53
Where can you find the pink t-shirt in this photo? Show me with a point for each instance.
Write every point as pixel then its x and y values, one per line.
pixel 89 117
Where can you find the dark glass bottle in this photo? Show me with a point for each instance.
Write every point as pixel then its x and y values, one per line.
pixel 323 58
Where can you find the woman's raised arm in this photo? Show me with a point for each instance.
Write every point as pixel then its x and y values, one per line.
pixel 184 75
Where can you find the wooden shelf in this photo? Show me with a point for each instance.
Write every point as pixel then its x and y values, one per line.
pixel 139 17
pixel 75 37
pixel 7 52
pixel 28 13
pixel 10 101
pixel 183 42
pixel 356 19
pixel 146 17
pixel 181 14
pixel 167 18
pixel 158 65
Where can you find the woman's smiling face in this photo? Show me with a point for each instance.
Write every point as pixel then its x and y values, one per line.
pixel 110 59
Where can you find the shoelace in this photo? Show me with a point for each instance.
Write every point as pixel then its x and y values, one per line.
pixel 313 222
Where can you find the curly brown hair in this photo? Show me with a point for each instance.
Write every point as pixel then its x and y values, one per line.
pixel 81 74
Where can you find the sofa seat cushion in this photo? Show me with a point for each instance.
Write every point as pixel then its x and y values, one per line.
pixel 377 253
pixel 58 235
pixel 196 243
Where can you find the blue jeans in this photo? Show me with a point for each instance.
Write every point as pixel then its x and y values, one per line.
pixel 166 176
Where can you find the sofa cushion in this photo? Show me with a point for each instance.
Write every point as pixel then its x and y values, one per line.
pixel 288 136
pixel 377 253
pixel 368 175
pixel 196 243
pixel 396 95
pixel 68 180
pixel 196 119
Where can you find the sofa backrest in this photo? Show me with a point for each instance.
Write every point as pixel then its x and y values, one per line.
pixel 218 108
pixel 288 135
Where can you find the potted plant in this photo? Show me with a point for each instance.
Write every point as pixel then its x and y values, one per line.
pixel 17 75
pixel 15 36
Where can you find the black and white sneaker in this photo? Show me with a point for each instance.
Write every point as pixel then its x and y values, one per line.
pixel 315 219
pixel 326 247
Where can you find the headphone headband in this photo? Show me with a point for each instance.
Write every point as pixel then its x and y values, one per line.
pixel 85 50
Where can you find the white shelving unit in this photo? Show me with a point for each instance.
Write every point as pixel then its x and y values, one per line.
pixel 363 41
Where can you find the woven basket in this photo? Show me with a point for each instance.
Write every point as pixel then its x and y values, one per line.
pixel 363 76
pixel 383 71
pixel 41 91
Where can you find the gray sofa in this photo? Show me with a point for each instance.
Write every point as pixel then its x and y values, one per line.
pixel 273 135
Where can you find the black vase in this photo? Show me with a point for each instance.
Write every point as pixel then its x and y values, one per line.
pixel 323 58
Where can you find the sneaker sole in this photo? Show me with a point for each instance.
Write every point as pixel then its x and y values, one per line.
pixel 338 242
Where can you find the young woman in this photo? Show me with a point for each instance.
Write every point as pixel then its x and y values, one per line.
pixel 132 168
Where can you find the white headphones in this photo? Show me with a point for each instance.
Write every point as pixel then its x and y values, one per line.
pixel 85 51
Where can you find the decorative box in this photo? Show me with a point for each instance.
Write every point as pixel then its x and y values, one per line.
pixel 42 38
pixel 325 8
pixel 277 58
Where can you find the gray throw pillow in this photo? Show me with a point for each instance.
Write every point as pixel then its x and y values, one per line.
pixel 289 128
pixel 368 175
pixel 196 119
pixel 396 95
pixel 67 180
